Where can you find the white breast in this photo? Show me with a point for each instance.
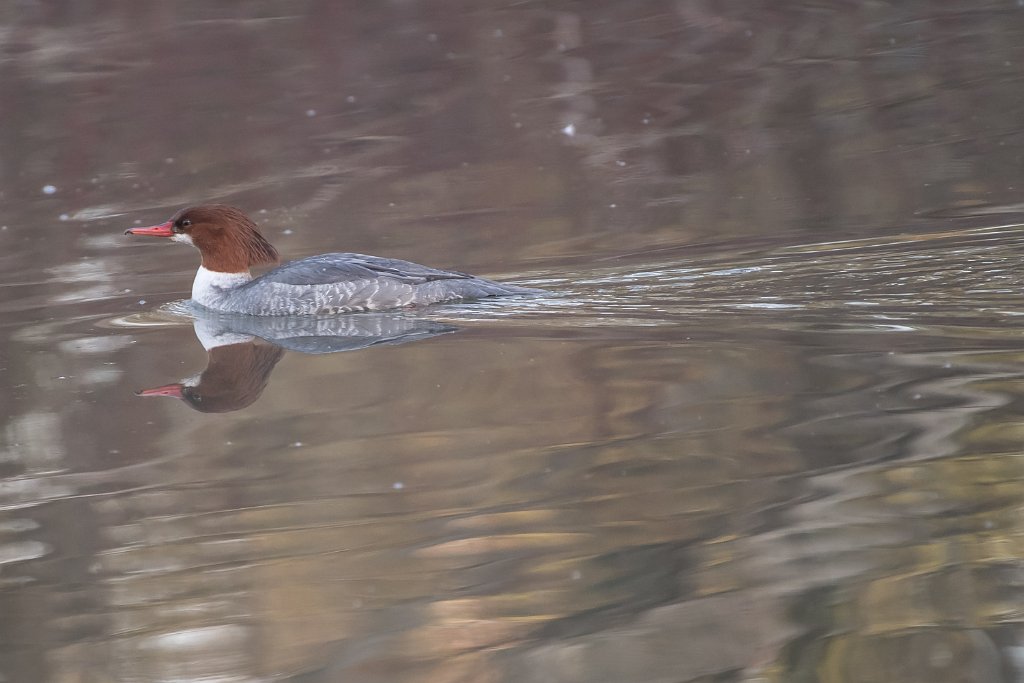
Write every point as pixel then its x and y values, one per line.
pixel 210 286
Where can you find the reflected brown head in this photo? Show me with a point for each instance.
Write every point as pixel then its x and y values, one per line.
pixel 228 240
pixel 235 376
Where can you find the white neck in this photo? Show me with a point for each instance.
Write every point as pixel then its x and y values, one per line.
pixel 210 285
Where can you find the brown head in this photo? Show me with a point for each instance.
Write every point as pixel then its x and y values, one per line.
pixel 227 239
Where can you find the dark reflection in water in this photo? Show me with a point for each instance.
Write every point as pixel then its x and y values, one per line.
pixel 766 427
pixel 238 366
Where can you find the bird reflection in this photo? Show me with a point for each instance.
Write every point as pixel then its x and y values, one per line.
pixel 243 350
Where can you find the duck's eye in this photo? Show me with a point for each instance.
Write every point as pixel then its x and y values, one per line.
pixel 185 222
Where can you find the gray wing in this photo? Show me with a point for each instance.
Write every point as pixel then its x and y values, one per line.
pixel 345 267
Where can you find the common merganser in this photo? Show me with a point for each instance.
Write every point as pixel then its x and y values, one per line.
pixel 230 245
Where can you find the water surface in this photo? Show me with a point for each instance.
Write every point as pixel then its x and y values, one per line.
pixel 764 426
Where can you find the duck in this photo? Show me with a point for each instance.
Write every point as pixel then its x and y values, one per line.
pixel 230 245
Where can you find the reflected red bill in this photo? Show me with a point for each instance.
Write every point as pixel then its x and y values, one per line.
pixel 172 390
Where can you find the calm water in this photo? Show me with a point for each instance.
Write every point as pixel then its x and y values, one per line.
pixel 766 426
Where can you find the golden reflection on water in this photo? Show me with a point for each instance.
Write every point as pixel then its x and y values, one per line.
pixel 530 496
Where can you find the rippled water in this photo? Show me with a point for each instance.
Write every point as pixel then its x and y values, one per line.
pixel 765 425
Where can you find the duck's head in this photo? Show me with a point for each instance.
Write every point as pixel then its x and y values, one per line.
pixel 227 239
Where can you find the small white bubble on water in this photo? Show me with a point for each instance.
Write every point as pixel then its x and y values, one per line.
pixel 169 160
pixel 569 130
pixel 432 37
pixel 350 99
pixel 311 113
pixel 49 189
pixel 142 302
pixel 612 206
pixel 287 231
pixel 620 162
pixel 64 217
pixel 398 486
pixel 297 444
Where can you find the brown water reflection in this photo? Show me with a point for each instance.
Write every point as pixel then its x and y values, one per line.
pixel 766 426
